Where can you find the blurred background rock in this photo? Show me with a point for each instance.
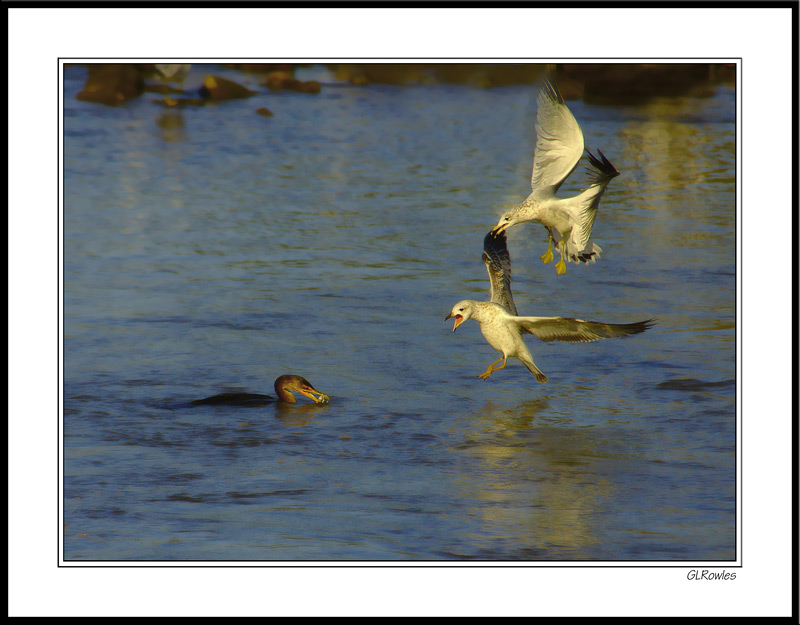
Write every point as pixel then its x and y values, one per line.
pixel 598 83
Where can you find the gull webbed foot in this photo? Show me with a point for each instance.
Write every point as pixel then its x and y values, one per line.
pixel 548 255
pixel 491 369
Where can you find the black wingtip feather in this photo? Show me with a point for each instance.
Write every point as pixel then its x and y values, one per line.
pixel 640 326
pixel 551 88
pixel 601 170
pixel 494 239
pixel 495 247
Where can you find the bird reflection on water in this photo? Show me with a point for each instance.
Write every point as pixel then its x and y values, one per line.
pixel 540 483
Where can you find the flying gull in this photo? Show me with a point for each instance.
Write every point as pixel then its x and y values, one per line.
pixel 503 328
pixel 559 146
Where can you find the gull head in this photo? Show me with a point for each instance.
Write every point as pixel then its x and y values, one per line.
pixel 507 219
pixel 461 312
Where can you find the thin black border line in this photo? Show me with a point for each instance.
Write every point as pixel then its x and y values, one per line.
pixel 795 560
pixel 60 320
pixel 464 563
pixel 400 60
pixel 417 5
pixel 739 340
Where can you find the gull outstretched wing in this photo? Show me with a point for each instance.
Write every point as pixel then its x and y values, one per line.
pixel 498 265
pixel 559 140
pixel 578 331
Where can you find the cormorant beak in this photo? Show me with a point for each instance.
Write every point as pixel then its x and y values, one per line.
pixel 314 394
pixel 459 320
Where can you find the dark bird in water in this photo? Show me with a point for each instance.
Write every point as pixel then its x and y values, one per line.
pixel 284 386
pixel 503 328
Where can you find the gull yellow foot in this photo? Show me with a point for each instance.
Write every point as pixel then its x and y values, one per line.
pixel 489 370
pixel 561 267
pixel 548 255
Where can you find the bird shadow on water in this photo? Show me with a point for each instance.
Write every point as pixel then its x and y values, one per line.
pixel 231 426
pixel 522 415
pixel 297 415
pixel 287 414
pixel 499 423
pixel 532 484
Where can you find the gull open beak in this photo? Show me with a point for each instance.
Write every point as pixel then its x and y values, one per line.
pixel 458 321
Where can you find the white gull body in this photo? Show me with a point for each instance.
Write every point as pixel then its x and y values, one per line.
pixel 559 147
pixel 503 329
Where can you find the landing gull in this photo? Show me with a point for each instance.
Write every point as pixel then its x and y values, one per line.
pixel 503 328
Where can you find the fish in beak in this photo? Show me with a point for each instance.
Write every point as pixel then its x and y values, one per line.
pixel 314 394
pixel 304 387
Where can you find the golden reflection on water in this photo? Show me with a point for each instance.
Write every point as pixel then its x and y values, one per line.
pixel 673 154
pixel 534 488
pixel 172 126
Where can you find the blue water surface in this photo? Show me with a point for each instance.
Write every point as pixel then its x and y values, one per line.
pixel 211 248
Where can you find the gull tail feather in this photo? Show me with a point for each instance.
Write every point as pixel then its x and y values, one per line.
pixel 590 253
pixel 578 247
pixel 540 377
